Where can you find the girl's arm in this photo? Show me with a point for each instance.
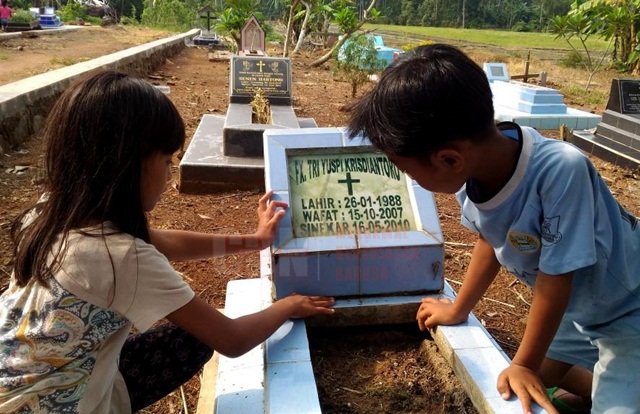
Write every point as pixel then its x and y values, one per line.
pixel 482 270
pixel 234 337
pixel 550 299
pixel 178 245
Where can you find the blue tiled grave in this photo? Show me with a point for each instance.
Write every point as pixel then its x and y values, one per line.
pixel 355 226
pixel 617 138
pixel 532 105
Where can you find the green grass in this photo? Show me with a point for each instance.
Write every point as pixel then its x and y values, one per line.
pixel 4 57
pixel 589 97
pixel 67 61
pixel 494 37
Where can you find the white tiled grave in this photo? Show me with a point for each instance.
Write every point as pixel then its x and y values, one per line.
pixel 277 376
pixel 532 105
pixel 355 226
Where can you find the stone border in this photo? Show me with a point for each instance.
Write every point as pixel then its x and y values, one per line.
pixel 276 377
pixel 24 104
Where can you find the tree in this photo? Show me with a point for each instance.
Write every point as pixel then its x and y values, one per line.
pixel 348 21
pixel 232 19
pixel 581 27
pixel 357 60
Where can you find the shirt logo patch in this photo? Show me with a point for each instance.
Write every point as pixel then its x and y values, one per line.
pixel 523 242
pixel 551 231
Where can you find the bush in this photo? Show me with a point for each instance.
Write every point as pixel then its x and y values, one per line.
pixel 171 14
pixel 72 11
pixel 411 46
pixel 573 60
pixel 357 59
pixel 21 16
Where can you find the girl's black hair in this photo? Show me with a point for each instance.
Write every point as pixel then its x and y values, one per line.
pixel 431 95
pixel 98 133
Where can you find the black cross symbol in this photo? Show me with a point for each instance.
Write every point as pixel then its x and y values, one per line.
pixel 348 181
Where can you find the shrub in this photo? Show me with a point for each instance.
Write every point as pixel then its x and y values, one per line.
pixel 357 59
pixel 72 11
pixel 21 16
pixel 410 46
pixel 573 60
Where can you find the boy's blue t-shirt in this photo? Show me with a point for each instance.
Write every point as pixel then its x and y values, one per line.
pixel 556 215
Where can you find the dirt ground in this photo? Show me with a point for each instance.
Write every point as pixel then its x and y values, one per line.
pixel 363 370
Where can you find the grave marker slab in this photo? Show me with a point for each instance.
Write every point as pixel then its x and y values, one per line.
pixel 271 75
pixel 355 225
pixel 496 71
pixel 617 137
pixel 252 41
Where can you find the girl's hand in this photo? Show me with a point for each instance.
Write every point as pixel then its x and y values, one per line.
pixel 434 312
pixel 303 306
pixel 269 215
pixel 527 386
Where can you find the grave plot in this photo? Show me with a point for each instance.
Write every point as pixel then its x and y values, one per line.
pixel 226 152
pixel 532 105
pixel 378 273
pixel 617 137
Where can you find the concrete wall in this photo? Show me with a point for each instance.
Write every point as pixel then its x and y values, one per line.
pixel 24 104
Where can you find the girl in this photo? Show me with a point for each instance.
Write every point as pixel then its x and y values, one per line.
pixel 88 267
pixel 5 15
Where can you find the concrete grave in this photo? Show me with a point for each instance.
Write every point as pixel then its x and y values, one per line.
pixel 207 37
pixel 617 138
pixel 227 152
pixel 532 105
pixel 356 225
pixel 252 39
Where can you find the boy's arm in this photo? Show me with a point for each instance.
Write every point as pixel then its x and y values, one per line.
pixel 482 269
pixel 178 245
pixel 550 299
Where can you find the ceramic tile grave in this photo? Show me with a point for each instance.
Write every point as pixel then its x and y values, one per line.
pixel 358 229
pixel 617 137
pixel 353 226
pixel 532 105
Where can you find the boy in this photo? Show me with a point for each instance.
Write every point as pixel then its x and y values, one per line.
pixel 541 211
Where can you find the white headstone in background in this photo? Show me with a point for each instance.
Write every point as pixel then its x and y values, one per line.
pixel 496 71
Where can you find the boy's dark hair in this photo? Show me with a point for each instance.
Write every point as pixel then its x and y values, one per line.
pixel 428 97
pixel 98 133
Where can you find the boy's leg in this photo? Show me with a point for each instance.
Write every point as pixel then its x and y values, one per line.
pixel 158 361
pixel 616 383
pixel 568 365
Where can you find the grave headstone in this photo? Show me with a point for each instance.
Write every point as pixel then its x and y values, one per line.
pixel 207 37
pixel 356 225
pixel 617 137
pixel 252 40
pixel 269 74
pixel 496 71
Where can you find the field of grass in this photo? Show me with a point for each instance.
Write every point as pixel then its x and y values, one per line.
pixel 500 38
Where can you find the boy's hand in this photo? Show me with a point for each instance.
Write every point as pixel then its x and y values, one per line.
pixel 527 386
pixel 434 312
pixel 269 215
pixel 304 306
